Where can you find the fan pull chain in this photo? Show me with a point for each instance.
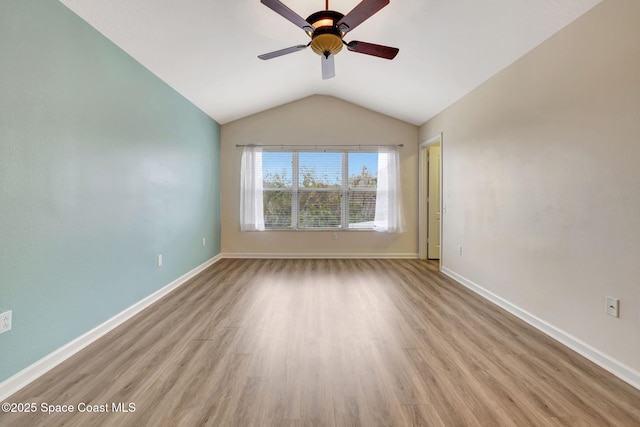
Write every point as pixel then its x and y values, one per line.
pixel 327 4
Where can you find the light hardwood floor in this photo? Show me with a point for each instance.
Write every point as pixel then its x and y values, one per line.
pixel 329 343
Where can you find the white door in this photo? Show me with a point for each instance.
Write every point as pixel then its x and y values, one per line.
pixel 433 200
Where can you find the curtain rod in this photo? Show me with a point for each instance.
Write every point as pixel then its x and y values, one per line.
pixel 316 146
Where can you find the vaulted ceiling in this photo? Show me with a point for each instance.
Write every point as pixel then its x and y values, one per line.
pixel 207 49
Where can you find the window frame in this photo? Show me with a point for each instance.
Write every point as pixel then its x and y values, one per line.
pixel 345 192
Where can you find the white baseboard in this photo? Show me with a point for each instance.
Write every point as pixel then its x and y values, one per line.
pixel 271 255
pixel 617 368
pixel 35 370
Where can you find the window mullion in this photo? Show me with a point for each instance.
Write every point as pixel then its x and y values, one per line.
pixel 344 194
pixel 294 191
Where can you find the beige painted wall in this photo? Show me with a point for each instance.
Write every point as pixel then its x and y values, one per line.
pixel 318 120
pixel 542 181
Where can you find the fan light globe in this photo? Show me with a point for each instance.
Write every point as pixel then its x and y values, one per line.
pixel 323 43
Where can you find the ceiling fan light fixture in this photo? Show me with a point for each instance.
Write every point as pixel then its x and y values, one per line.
pixel 326 38
pixel 326 43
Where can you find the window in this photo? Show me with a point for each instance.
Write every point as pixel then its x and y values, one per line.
pixel 321 190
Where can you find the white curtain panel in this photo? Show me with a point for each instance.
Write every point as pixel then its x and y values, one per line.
pixel 389 215
pixel 251 208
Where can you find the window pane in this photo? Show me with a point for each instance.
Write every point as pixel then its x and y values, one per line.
pixel 276 170
pixel 362 209
pixel 319 209
pixel 363 170
pixel 321 198
pixel 320 170
pixel 277 209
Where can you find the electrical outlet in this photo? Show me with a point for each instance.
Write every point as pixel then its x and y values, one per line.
pixel 5 322
pixel 204 241
pixel 613 307
pixel 334 236
pixel 459 250
pixel 159 260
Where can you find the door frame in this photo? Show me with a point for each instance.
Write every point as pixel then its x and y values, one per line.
pixel 423 180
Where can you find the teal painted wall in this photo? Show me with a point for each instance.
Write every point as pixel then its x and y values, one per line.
pixel 102 167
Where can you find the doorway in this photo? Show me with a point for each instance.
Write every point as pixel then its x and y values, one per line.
pixel 430 199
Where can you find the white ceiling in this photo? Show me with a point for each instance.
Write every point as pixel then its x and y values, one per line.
pixel 207 49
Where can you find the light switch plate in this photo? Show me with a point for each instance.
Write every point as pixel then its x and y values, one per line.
pixel 613 307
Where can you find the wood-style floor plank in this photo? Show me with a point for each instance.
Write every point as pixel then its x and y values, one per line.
pixel 292 343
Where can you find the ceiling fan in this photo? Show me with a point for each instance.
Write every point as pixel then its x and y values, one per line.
pixel 327 29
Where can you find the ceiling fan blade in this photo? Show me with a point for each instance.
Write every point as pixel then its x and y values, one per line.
pixel 282 10
pixel 281 52
pixel 328 67
pixel 364 10
pixel 373 49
